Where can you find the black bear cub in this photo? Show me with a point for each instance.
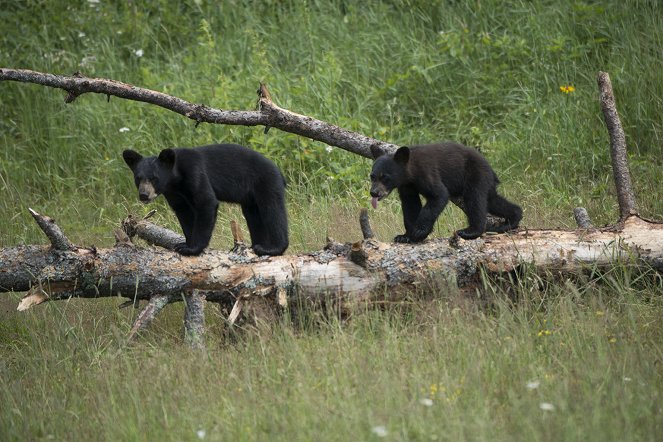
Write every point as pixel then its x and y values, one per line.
pixel 439 172
pixel 194 180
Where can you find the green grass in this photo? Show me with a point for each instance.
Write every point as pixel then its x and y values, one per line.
pixel 486 73
pixel 592 347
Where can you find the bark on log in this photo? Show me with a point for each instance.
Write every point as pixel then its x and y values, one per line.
pixel 143 273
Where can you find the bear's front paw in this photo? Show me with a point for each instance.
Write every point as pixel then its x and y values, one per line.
pixel 402 239
pixel 185 250
pixel 419 235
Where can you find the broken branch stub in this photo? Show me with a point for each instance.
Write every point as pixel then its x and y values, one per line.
pixel 53 232
pixel 621 174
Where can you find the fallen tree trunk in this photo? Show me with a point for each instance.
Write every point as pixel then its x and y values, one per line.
pixel 143 273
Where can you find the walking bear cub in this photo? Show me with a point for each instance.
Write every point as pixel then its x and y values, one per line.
pixel 439 172
pixel 194 180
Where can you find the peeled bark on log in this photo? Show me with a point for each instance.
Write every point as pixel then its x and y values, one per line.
pixel 143 273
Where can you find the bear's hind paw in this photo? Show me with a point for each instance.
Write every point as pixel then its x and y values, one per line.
pixel 403 239
pixel 185 250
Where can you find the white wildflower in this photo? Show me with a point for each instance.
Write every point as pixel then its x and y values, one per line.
pixel 329 149
pixel 533 385
pixel 81 34
pixel 87 60
pixel 139 52
pixel 380 431
pixel 124 129
pixel 546 406
pixel 201 434
pixel 426 402
pixel 627 379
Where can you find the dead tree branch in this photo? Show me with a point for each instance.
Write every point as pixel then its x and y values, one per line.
pixel 268 113
pixel 625 195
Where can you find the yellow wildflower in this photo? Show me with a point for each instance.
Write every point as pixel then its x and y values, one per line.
pixel 567 89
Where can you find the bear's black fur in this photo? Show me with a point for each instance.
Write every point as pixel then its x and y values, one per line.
pixel 439 172
pixel 194 180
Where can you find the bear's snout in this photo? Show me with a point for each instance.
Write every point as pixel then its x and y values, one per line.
pixel 146 191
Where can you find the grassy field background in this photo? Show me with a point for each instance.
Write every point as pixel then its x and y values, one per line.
pixel 568 360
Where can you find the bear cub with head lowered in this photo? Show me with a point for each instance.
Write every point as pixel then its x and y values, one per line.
pixel 439 172
pixel 194 180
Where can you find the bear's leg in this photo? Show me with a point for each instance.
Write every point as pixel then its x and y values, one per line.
pixel 500 206
pixel 185 215
pixel 475 200
pixel 204 219
pixel 253 222
pixel 411 206
pixel 435 204
pixel 273 217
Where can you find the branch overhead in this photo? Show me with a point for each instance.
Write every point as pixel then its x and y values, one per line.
pixel 268 113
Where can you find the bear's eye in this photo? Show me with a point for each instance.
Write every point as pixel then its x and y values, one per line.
pixel 373 177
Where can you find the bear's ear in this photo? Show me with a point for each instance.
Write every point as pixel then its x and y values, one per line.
pixel 402 155
pixel 167 157
pixel 376 151
pixel 131 157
